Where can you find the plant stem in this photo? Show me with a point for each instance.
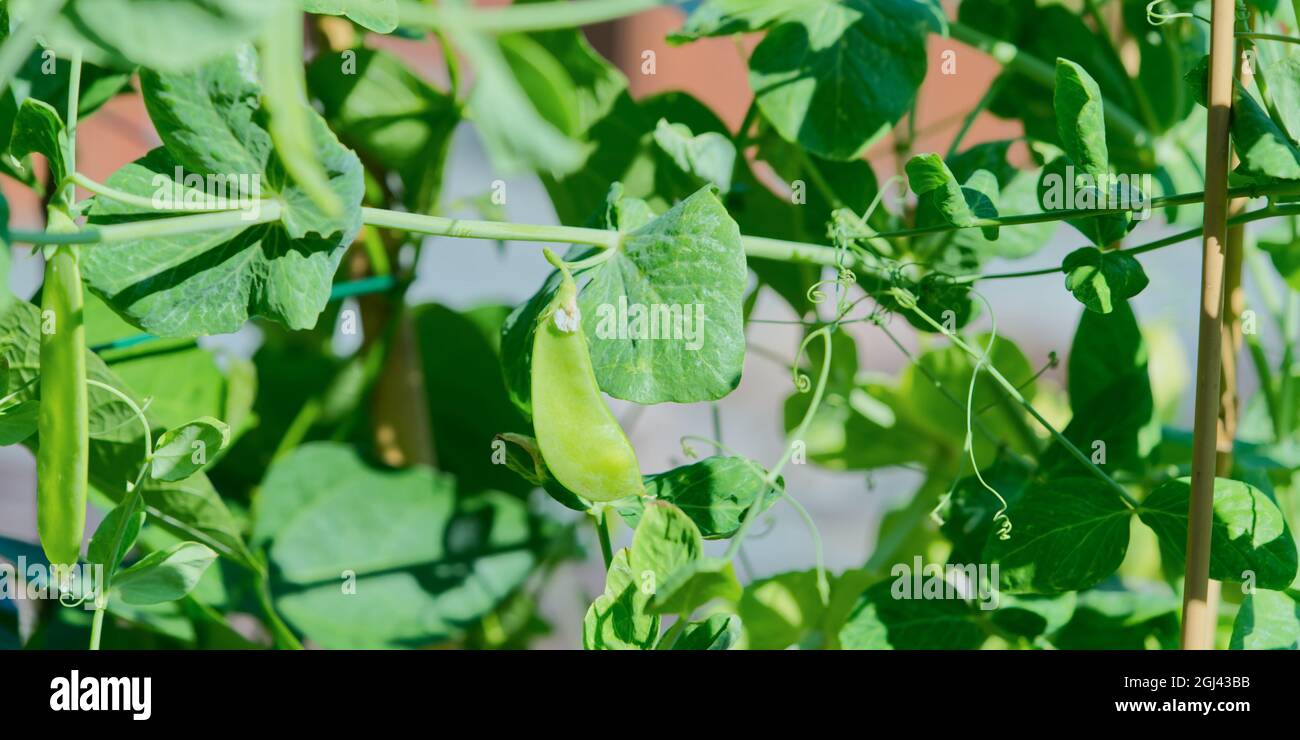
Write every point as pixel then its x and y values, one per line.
pixel 1182 236
pixel 1014 393
pixel 1270 37
pixel 96 627
pixel 280 632
pixel 1198 622
pixel 521 17
pixel 466 228
pixel 666 642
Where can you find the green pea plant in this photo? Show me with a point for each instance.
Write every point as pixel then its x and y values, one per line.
pixel 385 492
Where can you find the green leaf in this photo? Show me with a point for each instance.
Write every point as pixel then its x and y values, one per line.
pixel 942 199
pixel 211 282
pixel 164 575
pixel 695 584
pixel 38 128
pixel 1285 256
pixel 116 535
pixel 688 266
pixel 714 492
pixel 1099 279
pixel 468 402
pixel 881 621
pixel 727 17
pixel 1110 393
pixel 835 76
pixel 172 35
pixel 423 563
pixel 185 450
pixel 968 516
pixel 1249 538
pixel 1067 534
pixel 618 619
pixel 710 156
pixel 390 115
pixel 1080 120
pixel 18 422
pixel 517 137
pixel 1109 619
pixel 718 632
pixel 1267 620
pixel 662 315
pixel 1032 615
pixel 377 15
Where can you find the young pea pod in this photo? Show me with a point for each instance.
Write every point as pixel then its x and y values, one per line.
pixel 62 459
pixel 580 440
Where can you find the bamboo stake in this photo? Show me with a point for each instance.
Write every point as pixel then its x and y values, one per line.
pixel 1234 302
pixel 1198 621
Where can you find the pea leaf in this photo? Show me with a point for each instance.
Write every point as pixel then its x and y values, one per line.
pixel 880 621
pixel 1080 121
pixel 714 492
pixel 116 535
pixel 695 584
pixel 390 115
pixel 835 76
pixel 468 402
pixel 665 541
pixel 710 156
pixel 1110 618
pixel 38 128
pixel 1249 538
pixel 1067 534
pixel 185 450
pixel 683 274
pixel 211 282
pixel 942 199
pixel 366 558
pixel 516 136
pixel 727 17
pixel 662 315
pixel 377 15
pixel 18 422
pixel 173 35
pixel 1033 615
pixel 164 575
pixel 1110 393
pixel 718 632
pixel 1098 279
pixel 618 619
pixel 1267 620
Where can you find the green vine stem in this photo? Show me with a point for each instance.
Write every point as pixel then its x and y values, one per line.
pixel 547 16
pixel 1010 389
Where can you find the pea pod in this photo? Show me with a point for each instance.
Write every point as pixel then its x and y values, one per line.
pixel 62 459
pixel 580 440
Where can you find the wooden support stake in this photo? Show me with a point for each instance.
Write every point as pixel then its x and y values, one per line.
pixel 1198 617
